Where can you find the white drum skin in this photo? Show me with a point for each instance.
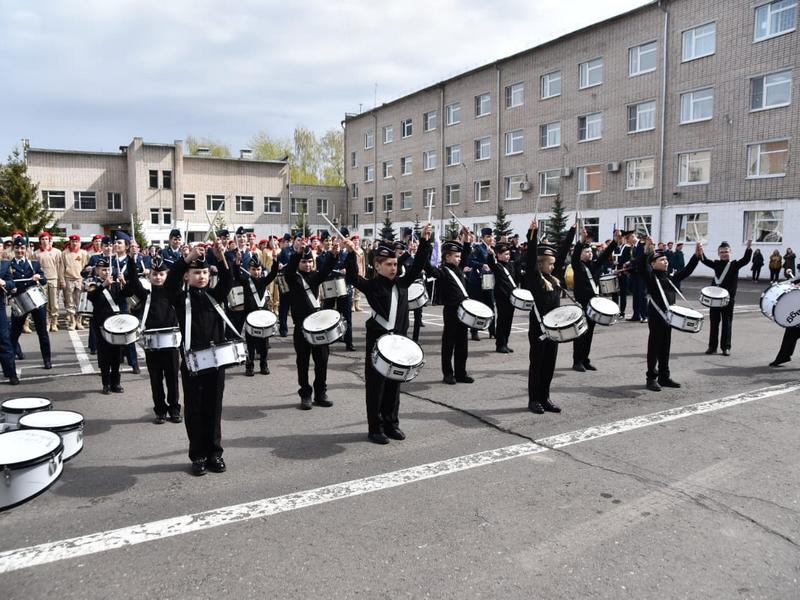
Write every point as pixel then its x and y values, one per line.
pixel 397 357
pixel 781 303
pixel 333 288
pixel 684 319
pixel 161 339
pixel 714 296
pixel 417 295
pixel 31 299
pixel 261 324
pixel 216 356
pixel 66 423
pixel 120 330
pixel 324 327
pixel 30 462
pixel 564 324
pixel 474 314
pixel 522 299
pixel 609 284
pixel 13 409
pixel 602 311
pixel 236 298
pixel 487 282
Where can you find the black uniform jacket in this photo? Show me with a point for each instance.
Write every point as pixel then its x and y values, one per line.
pixel 545 300
pixel 450 293
pixel 298 299
pixel 161 313
pixel 261 284
pixel 583 287
pixel 662 277
pixel 731 281
pixel 503 286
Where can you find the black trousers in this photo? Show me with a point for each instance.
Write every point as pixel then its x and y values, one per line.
pixel 487 297
pixel 283 315
pixel 623 293
pixel 658 346
pixel 344 304
pixel 505 316
pixel 259 345
pixel 383 395
pixel 789 343
pixel 774 275
pixel 202 397
pixel 417 324
pixel 542 365
pixel 756 273
pixel 162 366
pixel 305 352
pixel 6 347
pixel 39 317
pixel 109 357
pixel 582 346
pixel 454 342
pixel 724 316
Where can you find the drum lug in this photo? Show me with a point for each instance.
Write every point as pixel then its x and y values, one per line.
pixel 80 434
pixel 53 466
pixel 7 475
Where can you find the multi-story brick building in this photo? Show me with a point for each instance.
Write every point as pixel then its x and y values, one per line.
pixel 90 192
pixel 679 118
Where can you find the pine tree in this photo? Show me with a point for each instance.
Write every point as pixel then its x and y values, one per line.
pixel 301 225
pixel 20 205
pixel 219 223
pixel 558 223
pixel 387 231
pixel 453 229
pixel 138 232
pixel 502 226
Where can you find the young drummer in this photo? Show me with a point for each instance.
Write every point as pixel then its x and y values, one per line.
pixel 256 297
pixel 505 277
pixel 26 274
pixel 387 294
pixel 660 285
pixel 726 275
pixel 789 342
pixel 155 311
pixel 202 392
pixel 105 294
pixel 302 298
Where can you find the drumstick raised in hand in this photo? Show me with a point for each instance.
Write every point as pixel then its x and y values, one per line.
pixel 426 231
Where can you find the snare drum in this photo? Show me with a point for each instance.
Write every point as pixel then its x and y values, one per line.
pixel 161 338
pixel 333 288
pixel 217 356
pixel 120 330
pixel 261 324
pixel 31 461
pixel 684 319
pixel 236 298
pixel 602 311
pixel 85 306
pixel 324 327
pixel 487 282
pixel 66 423
pixel 565 323
pixel 398 358
pixel 12 410
pixel 521 299
pixel 781 303
pixel 31 299
pixel 283 285
pixel 417 295
pixel 609 284
pixel 714 296
pixel 133 301
pixel 474 314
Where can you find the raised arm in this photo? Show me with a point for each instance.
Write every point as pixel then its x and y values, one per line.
pixel 748 254
pixel 690 267
pixel 420 259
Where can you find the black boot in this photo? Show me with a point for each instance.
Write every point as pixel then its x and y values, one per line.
pixel 248 368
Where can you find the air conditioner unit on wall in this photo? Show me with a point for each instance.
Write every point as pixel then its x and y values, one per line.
pixel 612 167
pixel 525 186
pixel 566 172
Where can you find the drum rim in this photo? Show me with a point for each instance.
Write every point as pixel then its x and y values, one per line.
pixel 262 310
pixel 32 462
pixel 571 306
pixel 15 411
pixel 55 428
pixel 469 312
pixel 160 330
pixel 695 315
pixel 327 329
pixel 122 316
pixel 377 350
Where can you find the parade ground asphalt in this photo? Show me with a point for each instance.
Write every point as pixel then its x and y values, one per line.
pixel 686 493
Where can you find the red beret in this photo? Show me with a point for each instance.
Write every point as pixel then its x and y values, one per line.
pixel 75 236
pixel 99 236
pixel 45 234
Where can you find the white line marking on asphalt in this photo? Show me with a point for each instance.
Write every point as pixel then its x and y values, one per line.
pixel 80 353
pixel 21 558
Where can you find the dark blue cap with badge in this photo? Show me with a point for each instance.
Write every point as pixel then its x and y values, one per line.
pixel 159 264
pixel 486 231
pixel 101 262
pixel 254 261
pixel 450 247
pixel 121 235
pixel 307 254
pixel 19 241
pixel 240 231
pixel 223 233
pixel 385 250
pixel 546 250
pixel 175 233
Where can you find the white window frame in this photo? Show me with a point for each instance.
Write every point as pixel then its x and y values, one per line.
pixel 583 178
pixel 369 173
pixel 406 165
pixel 406 128
pixel 268 203
pixel 369 205
pixel 511 189
pixel 214 201
pixel 240 200
pixel 429 160
pixel 515 95
pixel 387 202
pixel 452 114
pixel 322 206
pixel 295 203
pixel 640 112
pixel 511 138
pixel 759 154
pixel 689 99
pixel 754 217
pixel 585 71
pixel 546 82
pixel 369 139
pixel 78 198
pixel 692 36
pixel 450 191
pixel 110 203
pixel 547 132
pixel 62 194
pixel 548 176
pixel 452 155
pixel 483 148
pixel 483 105
pixel 786 79
pixel 481 188
pixel 155 216
pixel 691 227
pixel 386 169
pixel 388 134
pixel 634 167
pixel 193 198
pixel 428 197
pixel 596 118
pixel 684 164
pixel 767 9
pixel 641 225
pixel 635 55
pixel 166 216
pixel 406 195
pixel 427 117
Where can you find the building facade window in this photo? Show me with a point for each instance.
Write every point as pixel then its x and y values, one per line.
pixel 452 113
pixel 697 105
pixel 189 203
pixel 429 120
pixel 692 227
pixel 244 204
pixel 155 216
pixel 642 59
pixel 388 202
pixel 429 160
pixel 551 85
pixel 763 226
pixel 299 206
pixel 405 200
pixel 483 105
pixel 642 116
pixel 166 216
pixel 640 174
pixel 388 134
pixel 114 201
pixel 775 18
pixel 515 95
pixel 699 42
pixel 85 200
pixel 590 179
pixel 322 206
pixel 214 202
pixel 452 155
pixel 452 194
pixel 771 91
pixel 166 180
pixel 694 168
pixel 369 205
pixel 407 127
pixel 515 142
pixel 153 177
pixel 406 165
pixel 386 168
pixel 592 227
pixel 369 173
pixel 428 197
pixel 272 205
pixel 549 182
pixel 353 159
pixel 483 148
pixel 590 127
pixel 54 200
pixel 641 225
pixel 369 139
pixel 511 187
pixel 550 135
pixel 767 159
pixel 354 221
pixel 483 189
pixel 591 73
pixel 354 190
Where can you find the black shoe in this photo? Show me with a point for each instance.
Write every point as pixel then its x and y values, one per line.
pixel 589 366
pixel 249 372
pixel 215 464
pixel 199 467
pixel 550 407
pixel 668 383
pixel 779 361
pixel 136 370
pixel 491 336
pixel 710 351
pixel 536 407
pixel 323 401
pixel 653 386
pixel 160 419
pixel 509 349
pixel 13 380
pixel 350 348
pixel 20 356
pixel 503 350
pixel 378 438
pixel 176 418
pixel 106 389
pixel 395 434
pixel 465 379
pixel 726 352
pixel 265 369
pixel 305 403
pixel 475 337
pixel 117 389
pixel 48 365
pixel 578 367
pixel 92 352
pixel 449 380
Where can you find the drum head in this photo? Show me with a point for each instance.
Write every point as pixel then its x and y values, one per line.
pixel 18 405
pixel 607 277
pixel 121 324
pixel 562 316
pixel 604 306
pixel 321 320
pixel 713 291
pixel 787 308
pixel 26 445
pixel 479 309
pixel 54 420
pixel 522 294
pixel 415 290
pixel 262 319
pixel 400 350
pixel 685 312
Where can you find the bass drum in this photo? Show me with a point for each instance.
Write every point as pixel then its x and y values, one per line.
pixel 781 303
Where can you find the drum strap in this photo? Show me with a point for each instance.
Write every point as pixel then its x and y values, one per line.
pixel 114 306
pixel 187 340
pixel 457 279
pixel 511 279
pixel 543 335
pixel 595 289
pixel 718 280
pixel 146 310
pixel 311 297
pixel 260 300
pixel 664 298
pixel 390 323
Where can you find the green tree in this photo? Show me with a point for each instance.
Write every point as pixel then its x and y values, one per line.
pixel 387 231
pixel 301 225
pixel 453 229
pixel 558 223
pixel 138 232
pixel 266 147
pixel 305 162
pixel 502 226
pixel 331 152
pixel 218 149
pixel 20 205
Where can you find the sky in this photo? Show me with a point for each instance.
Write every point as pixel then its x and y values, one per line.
pixel 93 74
